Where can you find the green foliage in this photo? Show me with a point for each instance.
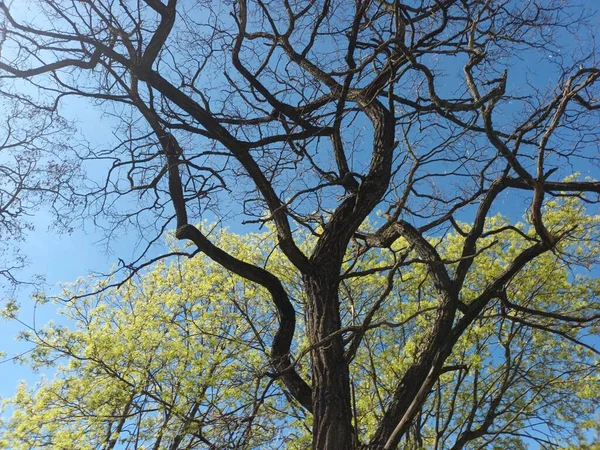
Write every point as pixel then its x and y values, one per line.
pixel 179 358
pixel 178 355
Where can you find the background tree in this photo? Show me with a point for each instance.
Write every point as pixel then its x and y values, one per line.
pixel 35 168
pixel 313 117
pixel 180 359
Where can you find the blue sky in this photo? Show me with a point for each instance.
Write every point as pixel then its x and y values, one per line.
pixel 59 258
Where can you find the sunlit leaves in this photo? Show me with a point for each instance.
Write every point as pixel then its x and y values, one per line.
pixel 181 354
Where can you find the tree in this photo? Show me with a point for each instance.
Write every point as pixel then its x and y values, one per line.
pixel 180 357
pixel 315 117
pixel 30 174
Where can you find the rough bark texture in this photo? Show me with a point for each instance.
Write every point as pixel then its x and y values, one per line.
pixel 332 413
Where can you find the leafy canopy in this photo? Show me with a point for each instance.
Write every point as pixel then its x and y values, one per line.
pixel 179 358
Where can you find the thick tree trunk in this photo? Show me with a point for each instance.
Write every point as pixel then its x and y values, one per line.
pixel 332 412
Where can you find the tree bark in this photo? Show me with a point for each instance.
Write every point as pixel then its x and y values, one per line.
pixel 416 384
pixel 332 412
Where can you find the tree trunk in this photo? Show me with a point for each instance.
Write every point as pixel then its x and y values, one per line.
pixel 332 413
